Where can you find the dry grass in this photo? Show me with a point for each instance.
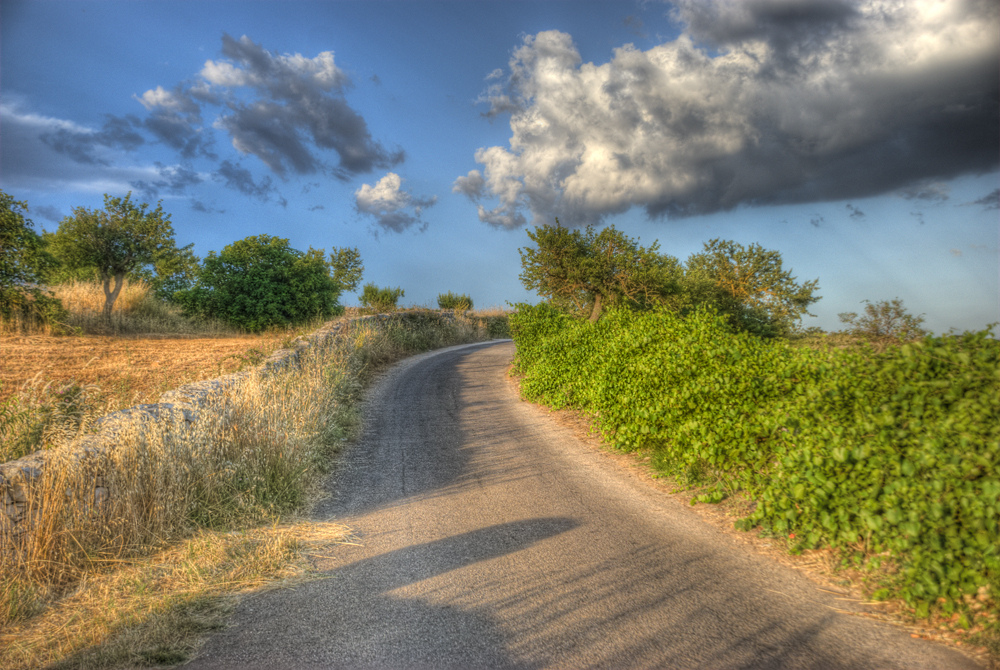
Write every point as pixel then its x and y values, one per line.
pixel 76 590
pixel 136 311
pixel 154 611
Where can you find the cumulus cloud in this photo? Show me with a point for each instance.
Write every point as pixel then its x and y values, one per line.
pixel 756 102
pixel 392 208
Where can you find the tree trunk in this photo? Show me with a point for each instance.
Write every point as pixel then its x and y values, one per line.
pixel 595 313
pixel 111 295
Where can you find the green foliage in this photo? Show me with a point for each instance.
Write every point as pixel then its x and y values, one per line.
pixel 749 286
pixel 584 272
pixel 894 452
pixel 378 299
pixel 347 267
pixel 451 300
pixel 883 322
pixel 115 242
pixel 23 263
pixel 259 282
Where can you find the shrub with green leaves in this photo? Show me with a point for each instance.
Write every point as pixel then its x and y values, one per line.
pixel 451 300
pixel 894 452
pixel 259 282
pixel 378 299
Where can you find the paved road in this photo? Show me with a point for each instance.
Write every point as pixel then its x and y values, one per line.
pixel 491 538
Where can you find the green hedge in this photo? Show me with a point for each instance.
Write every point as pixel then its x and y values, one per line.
pixel 895 452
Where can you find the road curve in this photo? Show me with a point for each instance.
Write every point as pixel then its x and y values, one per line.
pixel 491 538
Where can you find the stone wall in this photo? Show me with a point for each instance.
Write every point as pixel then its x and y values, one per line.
pixel 184 404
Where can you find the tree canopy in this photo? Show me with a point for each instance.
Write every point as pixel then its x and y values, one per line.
pixel 117 241
pixel 585 271
pixel 260 281
pixel 749 285
pixel 347 267
pixel 23 263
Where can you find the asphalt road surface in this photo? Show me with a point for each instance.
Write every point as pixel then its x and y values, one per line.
pixel 492 538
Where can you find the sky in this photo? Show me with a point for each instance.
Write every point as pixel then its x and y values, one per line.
pixel 861 139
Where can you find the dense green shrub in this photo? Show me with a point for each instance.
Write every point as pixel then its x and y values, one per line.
pixel 895 452
pixel 260 282
pixel 451 300
pixel 379 299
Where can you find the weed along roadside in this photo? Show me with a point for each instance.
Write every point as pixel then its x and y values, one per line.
pixel 886 459
pixel 215 468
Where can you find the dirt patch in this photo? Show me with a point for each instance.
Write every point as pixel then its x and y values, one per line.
pixel 126 371
pixel 821 566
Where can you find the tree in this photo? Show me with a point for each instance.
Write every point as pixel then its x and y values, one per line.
pixel 116 241
pixel 259 282
pixel 583 272
pixel 451 300
pixel 23 263
pixel 380 299
pixel 883 322
pixel 749 285
pixel 347 267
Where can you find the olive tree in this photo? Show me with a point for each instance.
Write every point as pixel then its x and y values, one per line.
pixel 749 285
pixel 585 271
pixel 116 241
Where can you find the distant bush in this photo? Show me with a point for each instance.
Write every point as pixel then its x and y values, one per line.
pixel 893 455
pixel 378 299
pixel 884 322
pixel 451 300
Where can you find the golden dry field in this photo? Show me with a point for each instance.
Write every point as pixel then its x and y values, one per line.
pixel 125 371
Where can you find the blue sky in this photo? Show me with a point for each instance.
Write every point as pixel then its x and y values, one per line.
pixel 860 139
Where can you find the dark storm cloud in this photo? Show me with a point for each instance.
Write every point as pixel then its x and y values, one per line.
pixel 84 146
pixel 240 179
pixel 761 102
pixel 49 213
pixel 282 108
pixel 989 201
pixel 174 179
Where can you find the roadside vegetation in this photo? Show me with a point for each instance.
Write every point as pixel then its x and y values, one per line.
pixel 106 313
pixel 881 443
pixel 194 516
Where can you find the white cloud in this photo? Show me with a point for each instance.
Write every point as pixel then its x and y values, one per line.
pixel 392 208
pixel 797 101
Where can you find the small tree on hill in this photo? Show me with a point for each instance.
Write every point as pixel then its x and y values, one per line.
pixel 585 271
pixel 116 241
pixel 451 300
pixel 883 322
pixel 749 285
pixel 260 281
pixel 347 267
pixel 379 299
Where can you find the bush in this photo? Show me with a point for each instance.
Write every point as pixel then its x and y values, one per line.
pixel 378 299
pixel 451 300
pixel 895 452
pixel 260 282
